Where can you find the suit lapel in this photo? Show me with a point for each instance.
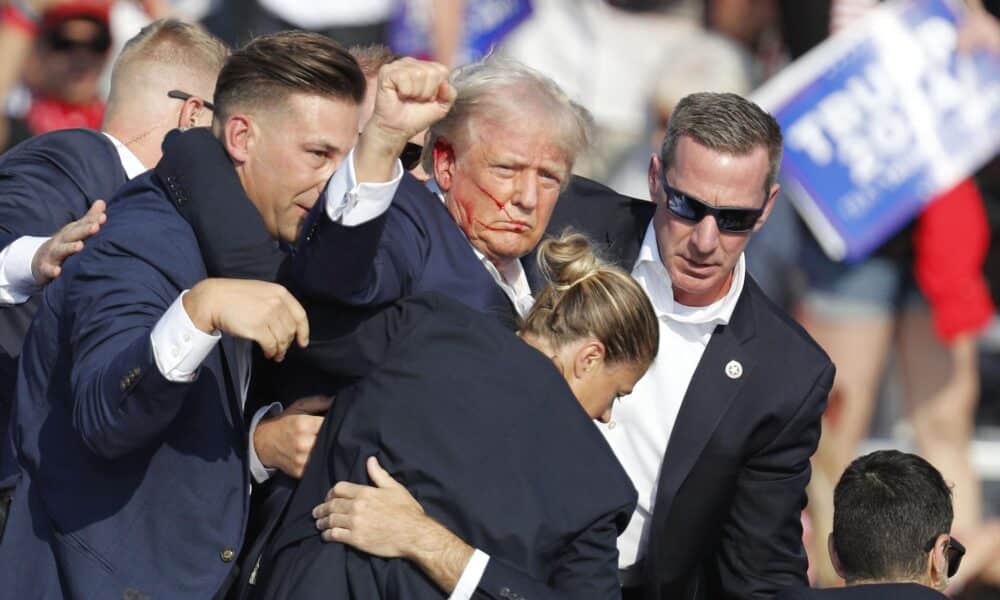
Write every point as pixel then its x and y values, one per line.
pixel 714 386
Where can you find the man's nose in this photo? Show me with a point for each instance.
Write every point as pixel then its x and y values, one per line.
pixel 526 191
pixel 705 236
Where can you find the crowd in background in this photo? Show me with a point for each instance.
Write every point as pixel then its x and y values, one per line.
pixel 901 373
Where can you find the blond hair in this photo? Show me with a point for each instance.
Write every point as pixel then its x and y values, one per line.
pixel 588 297
pixel 167 44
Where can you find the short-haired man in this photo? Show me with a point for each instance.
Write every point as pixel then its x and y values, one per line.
pixel 53 186
pixel 131 441
pixel 891 522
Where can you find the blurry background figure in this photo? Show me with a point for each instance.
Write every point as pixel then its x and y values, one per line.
pixel 712 63
pixel 455 32
pixel 350 23
pixel 58 51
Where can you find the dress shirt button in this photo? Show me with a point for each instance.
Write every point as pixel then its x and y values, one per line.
pixel 227 555
pixel 175 351
pixel 187 338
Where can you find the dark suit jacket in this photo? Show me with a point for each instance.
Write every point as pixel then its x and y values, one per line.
pixel 876 591
pixel 45 182
pixel 485 433
pixel 732 484
pixel 414 247
pixel 132 486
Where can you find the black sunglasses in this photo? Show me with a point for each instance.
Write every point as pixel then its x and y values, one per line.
pixel 730 220
pixel 185 96
pixel 954 552
pixel 98 44
pixel 410 156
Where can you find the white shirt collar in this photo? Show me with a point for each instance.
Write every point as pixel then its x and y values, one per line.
pixel 130 162
pixel 655 278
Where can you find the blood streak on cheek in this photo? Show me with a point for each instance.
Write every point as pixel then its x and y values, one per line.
pixel 500 205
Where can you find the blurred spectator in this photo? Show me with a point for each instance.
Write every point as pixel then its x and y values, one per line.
pixel 711 63
pixel 58 49
pixel 350 23
pixel 455 32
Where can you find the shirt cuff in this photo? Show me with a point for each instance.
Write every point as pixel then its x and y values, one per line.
pixel 179 347
pixel 257 469
pixel 350 203
pixel 471 576
pixel 17 283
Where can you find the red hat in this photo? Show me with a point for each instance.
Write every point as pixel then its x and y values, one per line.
pixel 93 10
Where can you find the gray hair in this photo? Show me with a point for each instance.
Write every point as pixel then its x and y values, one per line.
pixel 502 88
pixel 726 123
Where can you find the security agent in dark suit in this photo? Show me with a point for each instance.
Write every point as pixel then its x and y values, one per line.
pixel 717 446
pixel 53 187
pixel 891 522
pixel 149 419
pixel 510 464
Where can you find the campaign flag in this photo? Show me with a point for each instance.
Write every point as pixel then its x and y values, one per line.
pixel 881 118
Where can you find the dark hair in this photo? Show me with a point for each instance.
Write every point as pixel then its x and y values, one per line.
pixel 272 67
pixel 588 297
pixel 886 507
pixel 727 123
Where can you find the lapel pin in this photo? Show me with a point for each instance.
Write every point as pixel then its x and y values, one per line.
pixel 734 370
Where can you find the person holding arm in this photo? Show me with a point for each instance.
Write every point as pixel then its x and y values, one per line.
pixel 492 478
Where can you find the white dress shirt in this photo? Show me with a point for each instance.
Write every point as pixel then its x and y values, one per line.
pixel 17 283
pixel 641 422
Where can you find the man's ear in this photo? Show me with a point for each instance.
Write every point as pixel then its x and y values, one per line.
pixel 655 179
pixel 194 114
pixel 772 197
pixel 937 567
pixel 237 136
pixel 834 557
pixel 444 163
pixel 589 357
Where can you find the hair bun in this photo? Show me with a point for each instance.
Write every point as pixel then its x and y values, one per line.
pixel 568 260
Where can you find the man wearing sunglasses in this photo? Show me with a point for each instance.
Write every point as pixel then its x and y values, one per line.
pixel 717 435
pixel 892 513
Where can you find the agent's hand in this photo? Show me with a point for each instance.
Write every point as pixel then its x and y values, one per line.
pixel 386 521
pixel 47 262
pixel 412 95
pixel 263 312
pixel 379 520
pixel 285 441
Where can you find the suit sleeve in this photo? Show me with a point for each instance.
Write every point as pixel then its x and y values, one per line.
pixel 114 298
pixel 371 264
pixel 341 347
pixel 761 547
pixel 586 570
pixel 41 190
